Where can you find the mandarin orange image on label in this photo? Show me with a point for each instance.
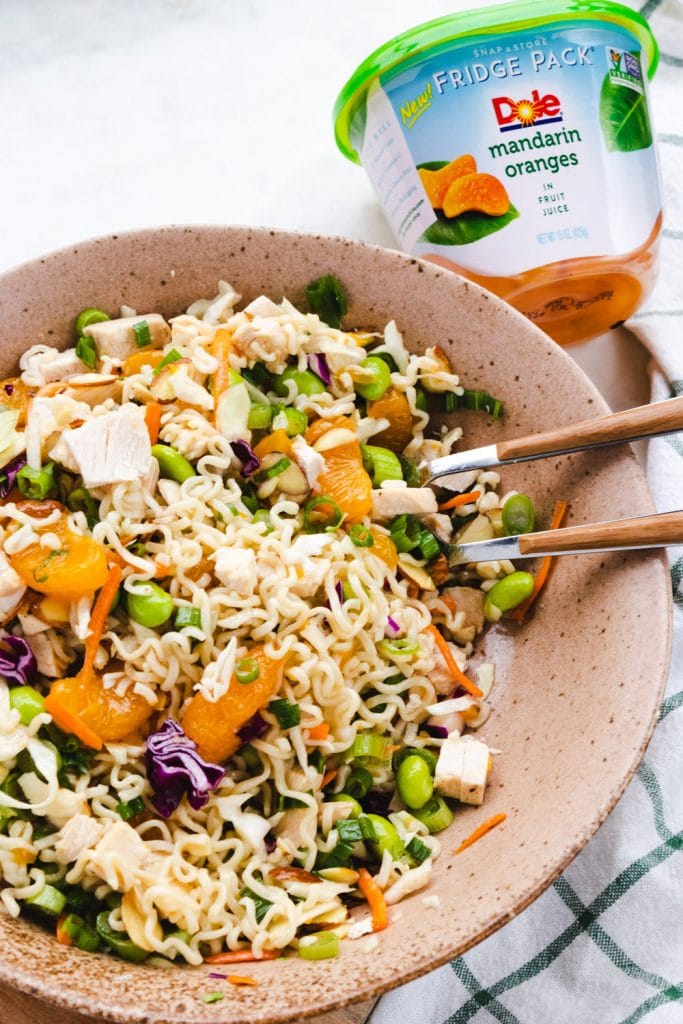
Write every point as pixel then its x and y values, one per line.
pixel 514 145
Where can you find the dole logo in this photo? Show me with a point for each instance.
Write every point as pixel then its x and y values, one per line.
pixel 512 114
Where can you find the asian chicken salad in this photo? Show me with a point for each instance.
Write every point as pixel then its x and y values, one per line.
pixel 235 698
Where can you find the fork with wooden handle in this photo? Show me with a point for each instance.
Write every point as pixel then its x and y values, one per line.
pixel 641 532
pixel 630 425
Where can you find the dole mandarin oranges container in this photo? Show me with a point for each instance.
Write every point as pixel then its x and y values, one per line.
pixel 514 145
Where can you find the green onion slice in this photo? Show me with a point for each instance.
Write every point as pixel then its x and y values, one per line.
pixel 356 830
pixel 436 814
pixel 142 335
pixel 247 670
pixel 368 748
pixel 131 808
pixel 358 783
pixel 428 544
pixel 171 357
pixel 361 536
pixel 286 713
pixel 278 467
pixel 405 647
pixel 418 850
pixel 261 905
pixel 405 533
pixel 88 317
pixel 318 522
pixel 86 351
pixel 319 946
pixel 381 464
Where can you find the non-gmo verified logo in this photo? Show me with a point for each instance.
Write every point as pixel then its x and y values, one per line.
pixel 513 114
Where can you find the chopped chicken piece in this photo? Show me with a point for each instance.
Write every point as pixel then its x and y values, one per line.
pixel 117 338
pixel 42 365
pixel 462 769
pixel 111 449
pixel 119 857
pixel 46 659
pixel 441 676
pixel 309 460
pixel 470 601
pixel 262 306
pixel 12 589
pixel 388 502
pixel 236 569
pixel 77 835
pixel 64 805
pixel 441 525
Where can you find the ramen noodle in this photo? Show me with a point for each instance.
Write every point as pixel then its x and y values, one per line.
pixel 234 686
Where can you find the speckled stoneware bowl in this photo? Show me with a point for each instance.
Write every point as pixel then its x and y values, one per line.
pixel 578 686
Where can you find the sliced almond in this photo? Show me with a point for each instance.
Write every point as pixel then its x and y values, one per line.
pixel 334 439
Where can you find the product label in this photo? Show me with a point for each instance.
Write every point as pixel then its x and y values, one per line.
pixel 508 153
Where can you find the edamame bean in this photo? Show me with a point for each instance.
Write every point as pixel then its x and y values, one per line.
pixel 507 594
pixel 378 386
pixel 27 701
pixel 518 515
pixel 387 837
pixel 345 798
pixel 172 465
pixel 149 605
pixel 414 782
pixel 306 383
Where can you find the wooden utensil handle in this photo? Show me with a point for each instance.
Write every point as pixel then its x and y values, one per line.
pixel 644 421
pixel 643 531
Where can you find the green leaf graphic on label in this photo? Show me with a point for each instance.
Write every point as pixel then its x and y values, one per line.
pixel 468 227
pixel 623 118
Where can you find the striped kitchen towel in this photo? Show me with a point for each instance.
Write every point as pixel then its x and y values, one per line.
pixel 604 944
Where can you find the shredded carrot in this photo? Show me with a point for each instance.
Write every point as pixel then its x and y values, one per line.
pixel 241 979
pixel 222 347
pixel 480 831
pixel 458 675
pixel 153 420
pixel 319 732
pixel 449 602
pixel 460 499
pixel 375 897
pixel 542 575
pixel 328 777
pixel 62 936
pixel 98 618
pixel 241 956
pixel 68 722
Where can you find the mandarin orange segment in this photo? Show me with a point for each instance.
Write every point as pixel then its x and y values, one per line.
pixel 134 364
pixel 393 406
pixel 345 480
pixel 15 395
pixel 437 183
pixel 482 192
pixel 321 426
pixel 275 442
pixel 214 726
pixel 76 568
pixel 383 547
pixel 103 712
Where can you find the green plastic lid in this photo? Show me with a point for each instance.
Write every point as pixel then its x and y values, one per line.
pixel 490 21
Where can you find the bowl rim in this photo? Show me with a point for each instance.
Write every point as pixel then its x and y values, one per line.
pixel 34 984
